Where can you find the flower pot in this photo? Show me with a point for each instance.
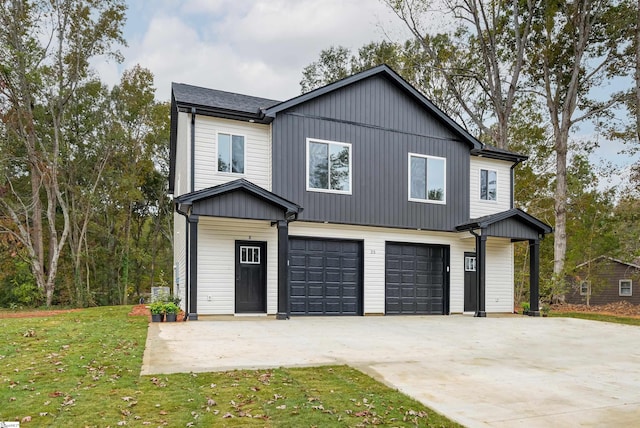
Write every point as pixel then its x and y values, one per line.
pixel 172 317
pixel 157 317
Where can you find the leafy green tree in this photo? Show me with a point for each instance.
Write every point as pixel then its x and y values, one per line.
pixel 576 47
pixel 45 50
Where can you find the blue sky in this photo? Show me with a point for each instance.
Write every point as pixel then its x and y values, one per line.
pixel 259 47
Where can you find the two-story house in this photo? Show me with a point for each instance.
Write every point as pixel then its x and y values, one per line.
pixel 358 198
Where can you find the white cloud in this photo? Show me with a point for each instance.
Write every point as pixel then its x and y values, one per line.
pixel 254 47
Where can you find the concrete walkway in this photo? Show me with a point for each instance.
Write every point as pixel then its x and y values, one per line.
pixel 491 372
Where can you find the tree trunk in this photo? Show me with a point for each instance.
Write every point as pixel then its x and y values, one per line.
pixel 637 74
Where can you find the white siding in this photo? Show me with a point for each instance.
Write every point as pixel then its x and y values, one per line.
pixel 257 152
pixel 374 258
pixel 179 255
pixel 499 275
pixel 182 167
pixel 478 207
pixel 216 262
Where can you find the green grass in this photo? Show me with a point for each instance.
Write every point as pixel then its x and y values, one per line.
pixel 597 317
pixel 83 369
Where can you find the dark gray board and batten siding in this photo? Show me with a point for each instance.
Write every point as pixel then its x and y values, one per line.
pixel 383 125
pixel 512 228
pixel 238 204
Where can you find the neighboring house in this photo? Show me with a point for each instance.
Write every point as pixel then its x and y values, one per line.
pixel 357 198
pixel 604 280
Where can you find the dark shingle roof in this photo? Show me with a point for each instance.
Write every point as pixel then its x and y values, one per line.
pixel 203 97
pixel 501 154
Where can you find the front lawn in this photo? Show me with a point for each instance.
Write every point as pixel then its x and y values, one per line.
pixel 82 368
pixel 594 316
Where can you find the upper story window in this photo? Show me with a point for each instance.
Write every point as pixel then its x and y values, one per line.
pixel 427 178
pixel 328 166
pixel 231 153
pixel 488 185
pixel 625 286
pixel 585 288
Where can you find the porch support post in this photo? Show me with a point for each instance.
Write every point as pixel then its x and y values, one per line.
pixel 283 270
pixel 534 277
pixel 481 251
pixel 193 267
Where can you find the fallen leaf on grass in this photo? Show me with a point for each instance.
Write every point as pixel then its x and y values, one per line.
pixel 282 407
pixel 26 419
pixel 228 415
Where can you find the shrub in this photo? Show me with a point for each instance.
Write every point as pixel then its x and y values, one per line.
pixel 157 308
pixel 171 308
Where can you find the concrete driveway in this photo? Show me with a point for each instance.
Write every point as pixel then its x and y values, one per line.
pixel 496 371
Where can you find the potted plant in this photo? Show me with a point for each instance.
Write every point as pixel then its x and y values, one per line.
pixel 545 310
pixel 525 308
pixel 171 310
pixel 157 311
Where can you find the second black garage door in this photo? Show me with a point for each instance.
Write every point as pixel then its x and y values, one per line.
pixel 416 279
pixel 325 277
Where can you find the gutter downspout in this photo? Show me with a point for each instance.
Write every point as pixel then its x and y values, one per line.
pixel 513 182
pixel 186 269
pixel 193 148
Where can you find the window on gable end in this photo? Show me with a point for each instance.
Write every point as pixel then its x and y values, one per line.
pixel 427 178
pixel 328 166
pixel 231 153
pixel 625 287
pixel 585 288
pixel 488 185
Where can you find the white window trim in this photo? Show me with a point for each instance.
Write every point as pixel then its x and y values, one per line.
pixel 231 173
pixel 470 266
pixel 488 201
pixel 588 293
pixel 339 143
pixel 630 288
pixel 249 260
pixel 426 201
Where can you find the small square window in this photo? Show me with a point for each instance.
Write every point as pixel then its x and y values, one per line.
pixel 585 288
pixel 250 255
pixel 626 287
pixel 469 264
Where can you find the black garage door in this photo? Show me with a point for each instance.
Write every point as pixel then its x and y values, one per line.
pixel 325 277
pixel 415 279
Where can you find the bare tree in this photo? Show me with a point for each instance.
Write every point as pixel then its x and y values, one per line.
pixel 487 49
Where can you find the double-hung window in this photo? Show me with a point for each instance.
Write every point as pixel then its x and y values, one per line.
pixel 488 185
pixel 231 152
pixel 625 287
pixel 427 178
pixel 328 166
pixel 585 288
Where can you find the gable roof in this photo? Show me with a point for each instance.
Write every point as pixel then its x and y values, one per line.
pixel 632 265
pixel 515 213
pixel 386 72
pixel 242 184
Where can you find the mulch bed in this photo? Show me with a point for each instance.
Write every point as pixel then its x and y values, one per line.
pixel 143 310
pixel 36 314
pixel 624 309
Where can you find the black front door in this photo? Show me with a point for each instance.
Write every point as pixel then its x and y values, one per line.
pixel 251 276
pixel 470 283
